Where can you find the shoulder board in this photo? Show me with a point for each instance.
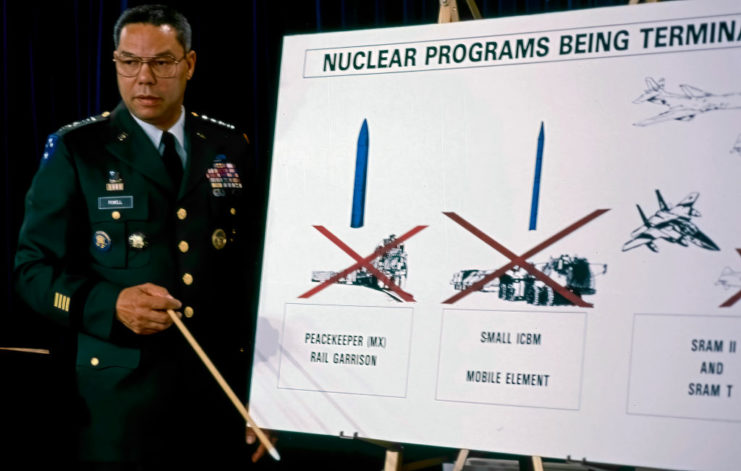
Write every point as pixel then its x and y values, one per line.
pixel 78 124
pixel 219 123
pixel 209 119
pixel 50 145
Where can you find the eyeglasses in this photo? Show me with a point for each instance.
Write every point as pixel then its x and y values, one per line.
pixel 161 66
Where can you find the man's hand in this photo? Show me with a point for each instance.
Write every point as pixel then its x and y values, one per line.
pixel 142 308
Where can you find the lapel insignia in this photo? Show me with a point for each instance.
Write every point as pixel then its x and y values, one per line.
pixel 223 176
pixel 200 134
pixel 102 241
pixel 122 136
pixel 115 182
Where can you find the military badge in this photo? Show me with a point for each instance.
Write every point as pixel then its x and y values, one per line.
pixel 138 241
pixel 218 238
pixel 49 148
pixel 101 241
pixel 115 182
pixel 223 176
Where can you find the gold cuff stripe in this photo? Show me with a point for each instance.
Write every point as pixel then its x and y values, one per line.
pixel 61 302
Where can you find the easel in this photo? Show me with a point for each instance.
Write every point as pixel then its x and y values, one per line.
pixel 449 11
pixel 394 455
pixel 448 14
pixel 394 452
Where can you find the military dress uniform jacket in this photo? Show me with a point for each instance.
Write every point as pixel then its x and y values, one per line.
pixel 102 214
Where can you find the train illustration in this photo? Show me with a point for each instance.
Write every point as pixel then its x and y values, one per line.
pixel 393 264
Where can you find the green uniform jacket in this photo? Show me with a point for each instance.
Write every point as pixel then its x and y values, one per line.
pixel 101 215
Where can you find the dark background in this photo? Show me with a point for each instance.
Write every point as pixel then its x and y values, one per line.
pixel 56 69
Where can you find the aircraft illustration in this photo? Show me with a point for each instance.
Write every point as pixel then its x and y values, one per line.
pixel 737 146
pixel 686 105
pixel 671 224
pixel 729 278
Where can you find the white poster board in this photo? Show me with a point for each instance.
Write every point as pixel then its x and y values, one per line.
pixel 550 287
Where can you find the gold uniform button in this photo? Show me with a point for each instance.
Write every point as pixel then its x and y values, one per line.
pixel 188 311
pixel 233 211
pixel 94 361
pixel 182 213
pixel 183 246
pixel 188 279
pixel 116 215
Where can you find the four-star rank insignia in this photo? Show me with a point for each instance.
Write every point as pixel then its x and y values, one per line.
pixel 115 182
pixel 223 176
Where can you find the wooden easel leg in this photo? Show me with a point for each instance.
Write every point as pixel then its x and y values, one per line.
pixel 393 461
pixel 537 463
pixel 448 11
pixel 461 460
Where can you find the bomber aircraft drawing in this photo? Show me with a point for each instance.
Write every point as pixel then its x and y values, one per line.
pixel 736 149
pixel 672 224
pixel 729 279
pixel 686 105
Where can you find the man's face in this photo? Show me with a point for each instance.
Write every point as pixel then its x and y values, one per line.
pixel 153 99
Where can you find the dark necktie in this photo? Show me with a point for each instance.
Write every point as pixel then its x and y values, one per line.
pixel 171 159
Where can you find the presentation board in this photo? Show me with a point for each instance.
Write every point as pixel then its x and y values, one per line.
pixel 518 235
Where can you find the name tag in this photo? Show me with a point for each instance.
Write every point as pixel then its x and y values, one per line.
pixel 116 202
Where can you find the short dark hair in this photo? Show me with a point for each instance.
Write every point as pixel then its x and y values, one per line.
pixel 156 15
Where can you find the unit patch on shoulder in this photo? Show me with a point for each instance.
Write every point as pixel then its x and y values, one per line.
pixel 49 148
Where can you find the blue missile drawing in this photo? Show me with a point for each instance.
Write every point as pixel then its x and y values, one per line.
pixel 536 180
pixel 361 177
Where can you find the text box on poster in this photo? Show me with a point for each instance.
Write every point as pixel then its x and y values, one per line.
pixel 518 358
pixel 686 366
pixel 346 349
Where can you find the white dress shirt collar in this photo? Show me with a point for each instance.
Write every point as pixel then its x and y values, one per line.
pixel 177 130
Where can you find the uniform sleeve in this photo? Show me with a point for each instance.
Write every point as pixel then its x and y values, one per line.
pixel 49 272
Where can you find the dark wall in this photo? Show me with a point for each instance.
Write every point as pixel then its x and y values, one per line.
pixel 56 69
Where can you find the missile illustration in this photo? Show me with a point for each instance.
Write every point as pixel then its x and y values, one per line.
pixel 361 178
pixel 536 179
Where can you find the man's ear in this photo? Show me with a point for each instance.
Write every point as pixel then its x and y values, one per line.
pixel 190 60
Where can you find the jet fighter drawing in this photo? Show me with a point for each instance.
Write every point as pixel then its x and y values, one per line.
pixel 729 279
pixel 736 149
pixel 686 105
pixel 672 224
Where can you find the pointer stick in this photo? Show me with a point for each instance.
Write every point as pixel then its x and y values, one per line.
pixel 41 351
pixel 224 385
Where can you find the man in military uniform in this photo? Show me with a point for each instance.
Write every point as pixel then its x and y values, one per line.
pixel 132 213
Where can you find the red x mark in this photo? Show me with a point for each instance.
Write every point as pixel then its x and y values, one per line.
pixel 521 261
pixel 364 262
pixel 732 300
